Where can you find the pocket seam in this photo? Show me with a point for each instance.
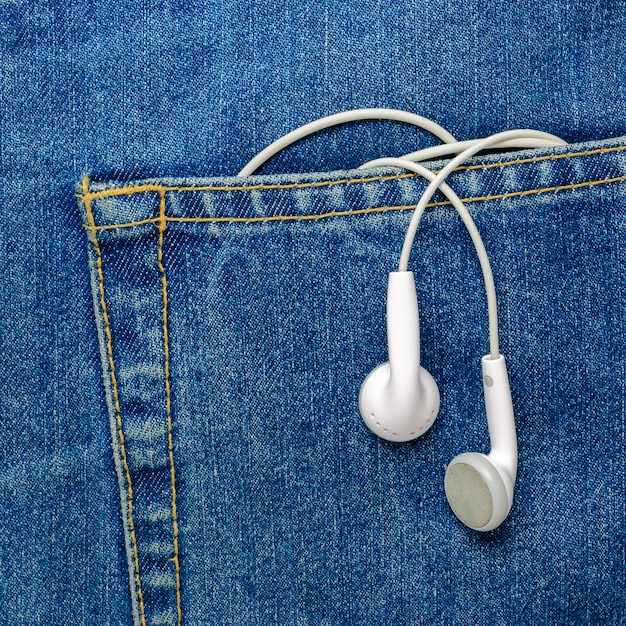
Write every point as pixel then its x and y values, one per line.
pixel 162 189
pixel 117 409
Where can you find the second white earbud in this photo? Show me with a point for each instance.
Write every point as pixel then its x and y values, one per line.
pixel 479 487
pixel 399 400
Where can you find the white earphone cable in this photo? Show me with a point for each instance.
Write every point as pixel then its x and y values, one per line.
pixel 476 240
pixel 343 118
pixel 463 151
pixel 483 144
pixel 455 148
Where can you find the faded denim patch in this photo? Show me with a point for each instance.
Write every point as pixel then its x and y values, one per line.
pixel 237 320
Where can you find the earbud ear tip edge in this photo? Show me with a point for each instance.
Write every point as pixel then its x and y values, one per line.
pixel 476 491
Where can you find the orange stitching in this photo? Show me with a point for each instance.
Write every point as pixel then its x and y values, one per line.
pixel 382 209
pixel 530 192
pixel 168 404
pixel 146 187
pixel 548 157
pixel 150 220
pixel 118 410
pixel 133 189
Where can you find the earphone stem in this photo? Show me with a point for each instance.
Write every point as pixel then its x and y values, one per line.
pixel 403 335
pixel 500 416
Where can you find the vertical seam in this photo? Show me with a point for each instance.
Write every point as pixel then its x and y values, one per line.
pixel 118 409
pixel 168 405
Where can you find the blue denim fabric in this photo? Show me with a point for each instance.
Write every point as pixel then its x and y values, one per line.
pixel 291 525
pixel 237 320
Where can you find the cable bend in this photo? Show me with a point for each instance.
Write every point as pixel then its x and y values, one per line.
pixel 523 138
pixel 467 220
pixel 343 118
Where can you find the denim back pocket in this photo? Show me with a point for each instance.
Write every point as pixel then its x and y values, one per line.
pixel 237 319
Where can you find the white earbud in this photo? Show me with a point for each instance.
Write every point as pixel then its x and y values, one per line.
pixel 399 400
pixel 479 487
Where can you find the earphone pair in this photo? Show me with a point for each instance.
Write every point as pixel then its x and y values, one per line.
pixel 399 400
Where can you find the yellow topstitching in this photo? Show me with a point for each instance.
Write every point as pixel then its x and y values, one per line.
pixel 168 405
pixel 118 410
pixel 380 209
pixel 156 187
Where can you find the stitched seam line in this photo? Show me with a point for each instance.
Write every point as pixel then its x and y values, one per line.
pixel 132 189
pixel 118 409
pixel 168 404
pixel 382 209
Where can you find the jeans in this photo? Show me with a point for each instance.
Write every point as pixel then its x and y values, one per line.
pixel 237 319
pixel 193 453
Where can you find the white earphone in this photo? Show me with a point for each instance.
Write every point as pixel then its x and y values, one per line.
pixel 399 400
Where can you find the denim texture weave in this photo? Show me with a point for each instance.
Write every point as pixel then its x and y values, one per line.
pixel 287 510
pixel 237 320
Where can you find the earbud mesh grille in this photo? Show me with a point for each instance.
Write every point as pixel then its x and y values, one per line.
pixel 468 495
